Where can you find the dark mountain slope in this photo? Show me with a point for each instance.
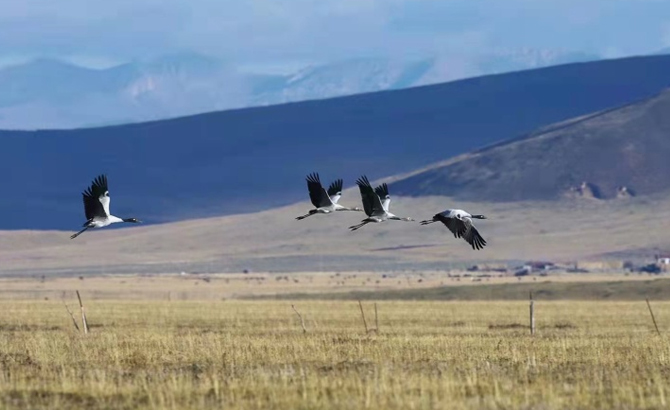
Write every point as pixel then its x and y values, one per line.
pixel 252 159
pixel 627 147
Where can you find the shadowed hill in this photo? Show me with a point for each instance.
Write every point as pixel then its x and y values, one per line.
pixel 253 159
pixel 612 154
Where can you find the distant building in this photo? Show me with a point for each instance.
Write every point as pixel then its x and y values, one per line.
pixel 663 260
pixel 524 270
pixel 651 268
pixel 601 265
pixel 539 265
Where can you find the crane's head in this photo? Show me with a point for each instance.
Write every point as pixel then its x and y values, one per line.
pixel 479 217
pixel 132 220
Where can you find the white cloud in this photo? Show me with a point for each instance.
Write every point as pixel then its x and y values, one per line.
pixel 285 30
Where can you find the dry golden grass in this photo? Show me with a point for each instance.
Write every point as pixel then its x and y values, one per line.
pixel 315 284
pixel 253 355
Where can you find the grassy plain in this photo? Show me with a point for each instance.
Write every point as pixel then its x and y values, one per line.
pixel 424 285
pixel 242 354
pixel 563 231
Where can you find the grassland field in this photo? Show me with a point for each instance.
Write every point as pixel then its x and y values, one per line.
pixel 150 347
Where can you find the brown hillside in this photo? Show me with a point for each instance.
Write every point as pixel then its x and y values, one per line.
pixel 596 156
pixel 558 231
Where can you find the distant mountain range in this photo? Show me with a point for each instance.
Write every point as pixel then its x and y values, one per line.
pixel 610 154
pixel 52 94
pixel 255 159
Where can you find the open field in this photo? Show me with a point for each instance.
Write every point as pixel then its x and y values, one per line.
pixel 254 355
pixel 561 231
pixel 335 285
pixel 201 341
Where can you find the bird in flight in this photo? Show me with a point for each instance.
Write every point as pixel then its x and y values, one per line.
pixel 460 224
pixel 376 203
pixel 324 201
pixel 96 207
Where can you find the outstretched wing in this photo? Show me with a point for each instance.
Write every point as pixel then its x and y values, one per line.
pixel 96 199
pixel 456 226
pixel 317 194
pixel 383 192
pixel 371 202
pixel 335 190
pixel 472 236
pixel 365 188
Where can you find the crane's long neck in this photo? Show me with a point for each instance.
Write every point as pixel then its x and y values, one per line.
pixel 115 219
pixel 339 207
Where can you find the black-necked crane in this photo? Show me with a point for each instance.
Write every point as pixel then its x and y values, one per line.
pixel 375 203
pixel 324 201
pixel 460 224
pixel 96 207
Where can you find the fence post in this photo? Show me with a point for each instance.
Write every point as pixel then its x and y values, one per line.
pixel 365 323
pixel 83 314
pixel 651 312
pixel 302 322
pixel 532 314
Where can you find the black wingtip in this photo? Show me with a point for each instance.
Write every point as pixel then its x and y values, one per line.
pixel 478 242
pixel 335 187
pixel 314 177
pixel 100 181
pixel 382 190
pixel 363 181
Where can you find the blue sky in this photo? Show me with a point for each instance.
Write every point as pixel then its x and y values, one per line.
pixel 289 32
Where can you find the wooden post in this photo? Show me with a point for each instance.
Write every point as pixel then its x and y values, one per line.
pixel 376 319
pixel 302 322
pixel 74 321
pixel 83 314
pixel 365 323
pixel 532 314
pixel 651 312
